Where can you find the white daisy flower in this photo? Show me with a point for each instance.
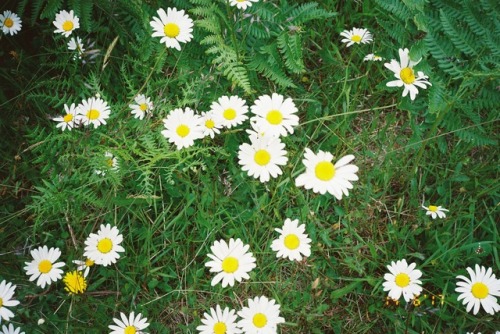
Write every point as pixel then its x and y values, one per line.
pixel 231 261
pixel 183 127
pixel 103 247
pixel 6 293
pixel 292 242
pixel 479 290
pixel 260 317
pixel 262 158
pixel 76 44
pixel 435 211
pixel 10 22
pixel 242 4
pixel 275 115
pixel 93 111
pixel 110 161
pixel 84 266
pixel 230 110
pixel 44 266
pixel 405 74
pixel 69 120
pixel 356 36
pixel 173 27
pixel 66 22
pixel 11 330
pixel 372 57
pixel 402 279
pixel 142 107
pixel 131 325
pixel 211 125
pixel 323 176
pixel 219 322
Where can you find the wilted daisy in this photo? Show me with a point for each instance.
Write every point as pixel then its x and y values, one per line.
pixel 356 36
pixel 66 22
pixel 323 176
pixel 479 290
pixel 262 158
pixel 402 279
pixel 84 266
pixel 405 74
pixel 231 261
pixel 435 211
pixel 219 322
pixel 173 27
pixel 274 115
pixel 131 325
pixel 292 243
pixel 183 127
pixel 111 163
pixel 44 266
pixel 10 22
pixel 261 316
pixel 76 44
pixel 103 247
pixel 142 107
pixel 211 124
pixel 6 293
pixel 75 282
pixel 69 120
pixel 242 4
pixel 93 111
pixel 372 57
pixel 11 330
pixel 231 110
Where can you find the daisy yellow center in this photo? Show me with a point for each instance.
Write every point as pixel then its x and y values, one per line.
pixel 75 282
pixel 182 130
pixel 8 22
pixel 230 264
pixel 241 0
pixel 109 162
pixel 324 170
pixel 44 266
pixel 262 157
pixel 93 114
pixel 1 302
pixel 259 320
pixel 67 26
pixel 104 245
pixel 89 263
pixel 229 114
pixel 402 280
pixel 220 328
pixel 433 208
pixel 292 241
pixel 356 38
pixel 210 124
pixel 274 117
pixel 171 30
pixel 68 118
pixel 407 75
pixel 143 107
pixel 480 290
pixel 130 330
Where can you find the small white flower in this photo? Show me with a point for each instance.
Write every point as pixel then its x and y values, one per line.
pixel 111 163
pixel 173 27
pixel 76 44
pixel 405 74
pixel 11 330
pixel 10 23
pixel 372 57
pixel 356 36
pixel 182 127
pixel 242 4
pixel 274 115
pixel 131 325
pixel 231 261
pixel 103 247
pixel 84 266
pixel 142 107
pixel 229 111
pixel 211 124
pixel 6 293
pixel 403 279
pixel 44 266
pixel 479 290
pixel 435 211
pixel 93 111
pixel 69 120
pixel 261 316
pixel 66 22
pixel 219 322
pixel 292 243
